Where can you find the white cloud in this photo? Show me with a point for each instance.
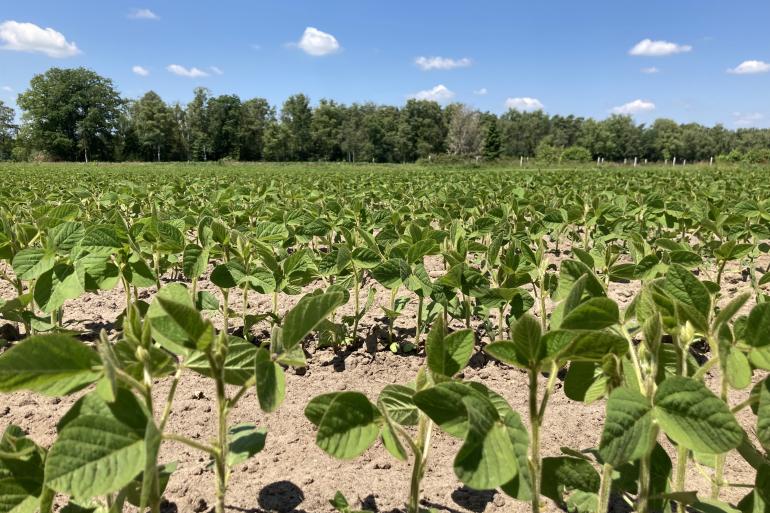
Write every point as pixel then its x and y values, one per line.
pixel 440 94
pixel 216 70
pixel 140 70
pixel 443 63
pixel 317 43
pixel 7 89
pixel 747 119
pixel 480 92
pixel 524 104
pixel 651 70
pixel 28 37
pixel 750 68
pixel 143 14
pixel 634 107
pixel 176 69
pixel 650 48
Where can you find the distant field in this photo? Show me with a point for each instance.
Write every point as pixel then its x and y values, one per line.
pixel 617 308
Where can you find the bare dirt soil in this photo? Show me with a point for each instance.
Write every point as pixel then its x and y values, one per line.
pixel 292 473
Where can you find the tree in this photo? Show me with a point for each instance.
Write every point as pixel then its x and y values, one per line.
pixel 71 114
pixel 8 130
pixel 154 125
pixel 521 132
pixel 297 118
pixel 492 143
pixel 422 130
pixel 576 154
pixel 326 130
pixel 256 116
pixel 224 126
pixel 198 125
pixel 464 135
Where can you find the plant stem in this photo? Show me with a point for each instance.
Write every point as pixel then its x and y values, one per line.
pixel 356 304
pixel 191 443
pixel 425 429
pixel 604 489
pixel 645 470
pixel 681 470
pixel 534 428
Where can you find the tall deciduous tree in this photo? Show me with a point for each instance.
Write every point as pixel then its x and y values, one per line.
pixel 464 135
pixel 155 126
pixel 8 130
pixel 71 114
pixel 297 117
pixel 224 126
pixel 256 117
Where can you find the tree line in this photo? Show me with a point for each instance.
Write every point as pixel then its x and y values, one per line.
pixel 78 115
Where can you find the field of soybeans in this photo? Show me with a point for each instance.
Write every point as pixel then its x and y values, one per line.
pixel 407 338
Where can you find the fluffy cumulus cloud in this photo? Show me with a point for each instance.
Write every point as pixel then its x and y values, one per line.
pixel 747 119
pixel 143 14
pixel 481 92
pixel 440 94
pixel 28 37
pixel 651 70
pixel 140 70
pixel 524 104
pixel 181 71
pixel 650 48
pixel 634 107
pixel 443 63
pixel 318 43
pixel 750 68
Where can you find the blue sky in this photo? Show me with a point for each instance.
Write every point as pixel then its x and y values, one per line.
pixel 571 57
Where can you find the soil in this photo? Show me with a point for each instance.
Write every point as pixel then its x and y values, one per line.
pixel 292 473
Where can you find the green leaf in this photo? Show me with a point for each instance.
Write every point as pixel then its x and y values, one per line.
pixel 309 312
pixel 244 441
pixel 595 314
pixel 686 288
pixel 626 434
pixel 442 404
pixel 271 381
pixel 763 414
pixel 397 402
pixel 77 466
pixel 176 323
pixel 486 459
pixel 565 474
pixel 691 415
pixel 585 382
pixel 238 366
pixel 758 326
pixel 346 423
pixel 588 346
pixel 737 369
pixel 53 365
pixel 56 286
pixel 448 355
pixel 28 264
pixel 195 259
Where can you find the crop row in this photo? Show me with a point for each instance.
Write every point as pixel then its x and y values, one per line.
pixel 498 238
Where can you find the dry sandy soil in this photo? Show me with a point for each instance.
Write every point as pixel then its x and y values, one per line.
pixel 292 474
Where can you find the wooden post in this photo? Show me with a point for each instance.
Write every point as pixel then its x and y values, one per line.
pixel 674 162
pixel 521 161
pixel 635 159
pixel 711 161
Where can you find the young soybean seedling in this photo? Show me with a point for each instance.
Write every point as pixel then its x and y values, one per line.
pixel 348 423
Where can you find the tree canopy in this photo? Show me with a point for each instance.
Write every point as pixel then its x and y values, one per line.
pixel 75 114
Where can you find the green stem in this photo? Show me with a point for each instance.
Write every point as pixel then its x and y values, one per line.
pixel 604 489
pixel 681 471
pixel 534 428
pixel 171 437
pixel 425 430
pixel 356 300
pixel 645 471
